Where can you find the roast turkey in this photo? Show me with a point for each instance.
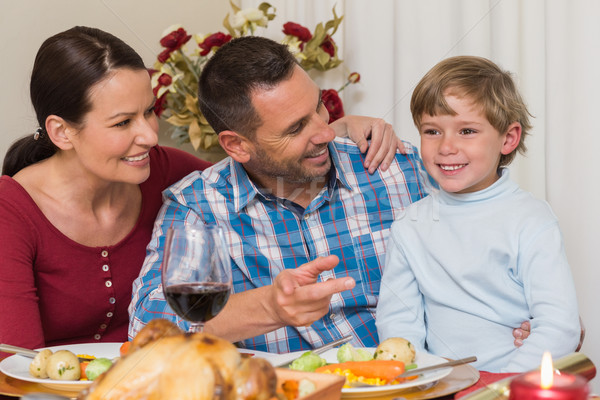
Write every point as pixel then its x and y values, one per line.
pixel 165 363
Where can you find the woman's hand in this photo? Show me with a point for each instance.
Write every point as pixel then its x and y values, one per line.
pixel 384 142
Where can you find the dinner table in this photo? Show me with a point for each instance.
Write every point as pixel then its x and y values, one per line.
pixel 462 380
pixel 463 377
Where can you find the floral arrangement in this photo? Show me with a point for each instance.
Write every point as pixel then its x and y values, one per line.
pixel 177 69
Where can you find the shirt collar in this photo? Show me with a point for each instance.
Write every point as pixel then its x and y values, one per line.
pixel 338 166
pixel 243 188
pixel 504 185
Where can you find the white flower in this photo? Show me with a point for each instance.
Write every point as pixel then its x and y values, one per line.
pixel 237 20
pixel 256 16
pixel 248 16
pixel 293 44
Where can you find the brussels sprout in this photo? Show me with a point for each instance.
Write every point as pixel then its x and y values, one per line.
pixel 349 353
pixel 308 362
pixel 97 367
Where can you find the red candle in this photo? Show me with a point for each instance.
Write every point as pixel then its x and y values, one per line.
pixel 565 387
pixel 547 384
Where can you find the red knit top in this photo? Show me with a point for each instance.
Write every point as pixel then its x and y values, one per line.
pixel 56 291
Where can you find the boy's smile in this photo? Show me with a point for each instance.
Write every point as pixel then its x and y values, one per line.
pixel 462 152
pixel 451 168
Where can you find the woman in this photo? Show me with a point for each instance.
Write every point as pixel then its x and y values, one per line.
pixel 78 198
pixel 81 195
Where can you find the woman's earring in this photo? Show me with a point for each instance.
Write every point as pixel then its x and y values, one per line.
pixel 37 134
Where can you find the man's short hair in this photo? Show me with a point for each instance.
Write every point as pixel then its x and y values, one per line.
pixel 231 75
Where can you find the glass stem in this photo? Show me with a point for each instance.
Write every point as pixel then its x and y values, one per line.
pixel 196 327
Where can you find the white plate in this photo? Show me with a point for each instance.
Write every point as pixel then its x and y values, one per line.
pixel 421 359
pixel 17 366
pixel 263 354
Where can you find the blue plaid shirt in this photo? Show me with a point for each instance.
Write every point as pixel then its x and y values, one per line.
pixel 350 218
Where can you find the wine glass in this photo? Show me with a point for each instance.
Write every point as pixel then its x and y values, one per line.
pixel 196 273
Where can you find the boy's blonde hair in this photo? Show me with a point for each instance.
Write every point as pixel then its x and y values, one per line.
pixel 484 83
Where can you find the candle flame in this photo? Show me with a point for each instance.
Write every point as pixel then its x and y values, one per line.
pixel 547 371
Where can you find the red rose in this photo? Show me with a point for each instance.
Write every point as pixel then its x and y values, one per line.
pixel 294 29
pixel 159 104
pixel 328 46
pixel 333 104
pixel 164 55
pixel 215 40
pixel 175 39
pixel 165 79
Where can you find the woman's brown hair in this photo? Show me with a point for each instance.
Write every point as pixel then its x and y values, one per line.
pixel 66 67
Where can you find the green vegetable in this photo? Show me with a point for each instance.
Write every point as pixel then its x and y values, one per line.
pixel 62 370
pixel 97 367
pixel 308 362
pixel 349 353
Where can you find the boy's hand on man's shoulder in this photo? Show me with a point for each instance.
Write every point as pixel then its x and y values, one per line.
pixel 384 141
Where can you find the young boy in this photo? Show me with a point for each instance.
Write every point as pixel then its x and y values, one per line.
pixel 474 259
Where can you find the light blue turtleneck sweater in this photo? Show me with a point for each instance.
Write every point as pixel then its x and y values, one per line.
pixel 463 270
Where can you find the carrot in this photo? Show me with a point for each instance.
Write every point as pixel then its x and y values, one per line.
pixel 83 365
pixel 290 389
pixel 124 349
pixel 384 369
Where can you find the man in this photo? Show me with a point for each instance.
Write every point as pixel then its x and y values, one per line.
pixel 297 208
pixel 305 222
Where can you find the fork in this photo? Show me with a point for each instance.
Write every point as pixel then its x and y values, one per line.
pixel 7 348
pixel 412 372
pixel 319 350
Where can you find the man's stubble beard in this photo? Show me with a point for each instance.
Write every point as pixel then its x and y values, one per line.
pixel 288 172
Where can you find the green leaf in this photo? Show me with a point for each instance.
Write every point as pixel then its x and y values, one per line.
pixel 318 37
pixel 334 23
pixel 227 26
pixel 323 59
pixel 180 119
pixel 234 6
pixel 264 7
pixel 191 104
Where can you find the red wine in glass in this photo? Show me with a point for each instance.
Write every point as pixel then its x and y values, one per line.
pixel 196 273
pixel 197 302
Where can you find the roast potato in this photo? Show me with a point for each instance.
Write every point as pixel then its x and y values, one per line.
pixel 395 348
pixel 37 368
pixel 63 366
